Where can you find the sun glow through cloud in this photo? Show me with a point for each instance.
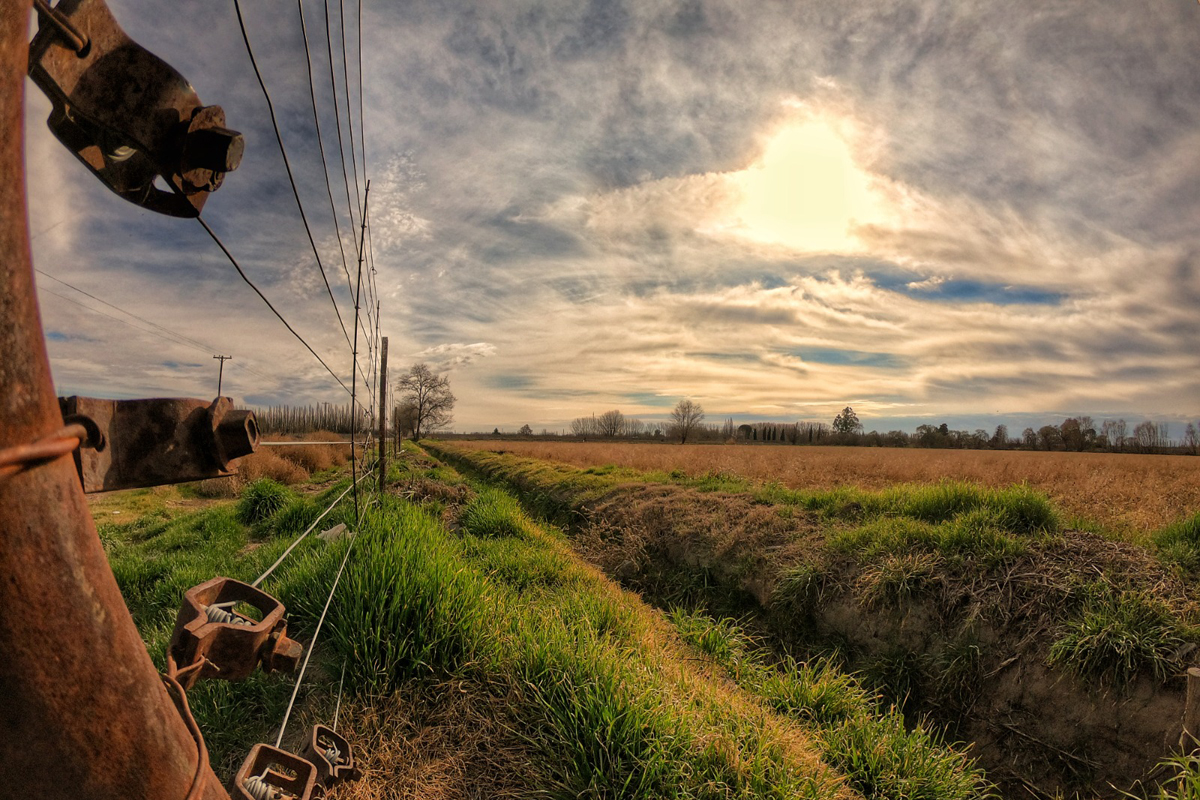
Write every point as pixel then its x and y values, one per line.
pixel 805 192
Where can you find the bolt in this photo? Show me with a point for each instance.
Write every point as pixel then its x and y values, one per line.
pixel 217 149
pixel 236 435
pixel 284 655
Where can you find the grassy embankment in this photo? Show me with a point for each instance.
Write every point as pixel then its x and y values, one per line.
pixel 933 590
pixel 480 652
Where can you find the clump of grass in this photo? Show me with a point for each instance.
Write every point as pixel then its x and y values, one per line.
pixel 880 756
pixel 1179 543
pixel 262 500
pixel 896 579
pixel 1118 636
pixel 799 589
pixel 494 513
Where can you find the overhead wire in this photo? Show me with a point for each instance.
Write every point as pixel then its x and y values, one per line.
pixel 349 110
pixel 263 297
pixel 287 165
pixel 350 206
pixel 166 333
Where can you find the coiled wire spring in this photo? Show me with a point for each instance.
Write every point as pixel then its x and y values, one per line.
pixel 220 612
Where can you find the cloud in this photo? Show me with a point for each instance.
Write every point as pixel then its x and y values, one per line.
pixel 586 204
pixel 452 356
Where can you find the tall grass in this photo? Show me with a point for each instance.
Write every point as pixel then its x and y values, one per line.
pixel 880 755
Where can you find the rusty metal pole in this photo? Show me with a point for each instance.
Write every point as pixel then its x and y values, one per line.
pixel 83 712
pixel 383 438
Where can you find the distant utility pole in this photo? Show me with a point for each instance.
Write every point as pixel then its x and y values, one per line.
pixel 221 372
pixel 383 442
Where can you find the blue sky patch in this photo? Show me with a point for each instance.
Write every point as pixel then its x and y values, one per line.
pixel 849 358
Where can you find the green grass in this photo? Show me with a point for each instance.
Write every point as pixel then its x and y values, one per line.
pixel 1179 544
pixel 880 755
pixel 157 560
pixel 1116 636
pixel 262 500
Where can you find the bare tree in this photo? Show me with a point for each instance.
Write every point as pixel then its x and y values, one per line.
pixel 684 419
pixel 583 427
pixel 429 396
pixel 610 423
pixel 1191 438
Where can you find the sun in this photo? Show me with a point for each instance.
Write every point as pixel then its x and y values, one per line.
pixel 805 191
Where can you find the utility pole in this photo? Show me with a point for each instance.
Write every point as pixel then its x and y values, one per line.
pixel 383 442
pixel 221 372
pixel 82 708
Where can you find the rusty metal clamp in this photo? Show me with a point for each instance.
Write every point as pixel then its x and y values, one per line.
pixel 157 441
pixel 213 640
pixel 126 113
pixel 269 773
pixel 332 755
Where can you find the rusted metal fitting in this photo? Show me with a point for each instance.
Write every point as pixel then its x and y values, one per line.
pixel 332 755
pixel 269 773
pixel 159 441
pixel 210 629
pixel 127 114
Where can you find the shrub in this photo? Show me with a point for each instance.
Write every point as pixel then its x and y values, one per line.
pixel 1179 543
pixel 262 500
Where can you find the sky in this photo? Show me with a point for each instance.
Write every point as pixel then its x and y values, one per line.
pixel 930 210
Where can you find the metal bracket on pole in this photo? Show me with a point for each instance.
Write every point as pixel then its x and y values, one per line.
pixel 332 755
pixel 269 773
pixel 209 630
pixel 160 441
pixel 127 114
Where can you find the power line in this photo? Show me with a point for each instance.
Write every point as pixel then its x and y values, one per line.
pixel 312 90
pixel 237 5
pixel 337 115
pixel 263 297
pixel 349 110
pixel 200 345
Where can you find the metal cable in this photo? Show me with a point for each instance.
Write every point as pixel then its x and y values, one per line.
pixel 337 708
pixel 349 110
pixel 301 537
pixel 25 456
pixel 313 643
pixel 337 115
pixel 312 92
pixel 185 711
pixel 180 339
pixel 258 291
pixel 287 165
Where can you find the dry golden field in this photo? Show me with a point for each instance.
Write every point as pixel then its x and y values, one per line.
pixel 1130 495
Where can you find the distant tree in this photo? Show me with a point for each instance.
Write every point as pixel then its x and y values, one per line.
pixel 583 427
pixel 846 422
pixel 634 427
pixel 1116 432
pixel 406 418
pixel 1000 437
pixel 525 431
pixel 495 431
pixel 1072 434
pixel 685 417
pixel 1191 438
pixel 1029 438
pixel 1049 437
pixel 429 396
pixel 1146 436
pixel 610 423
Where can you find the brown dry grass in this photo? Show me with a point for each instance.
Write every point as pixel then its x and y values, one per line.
pixel 288 465
pixel 1128 494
